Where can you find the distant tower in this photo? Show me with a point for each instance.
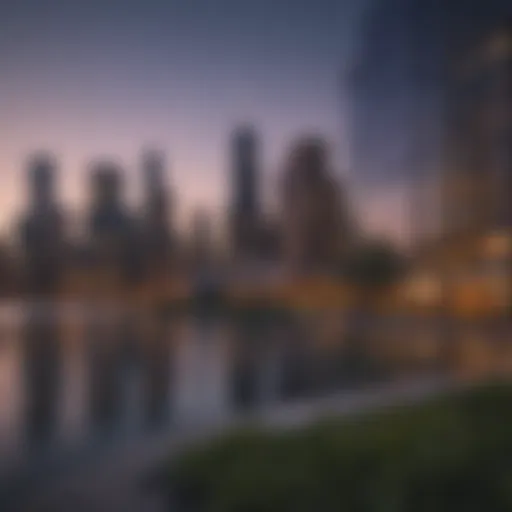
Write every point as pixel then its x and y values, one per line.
pixel 42 234
pixel 245 201
pixel 313 224
pixel 108 214
pixel 156 229
pixel 113 230
pixel 153 168
pixel 42 170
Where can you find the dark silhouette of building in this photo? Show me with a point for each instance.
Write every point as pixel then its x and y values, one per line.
pixel 314 226
pixel 9 272
pixel 115 235
pixel 478 172
pixel 156 228
pixel 402 66
pixel 245 207
pixel 42 229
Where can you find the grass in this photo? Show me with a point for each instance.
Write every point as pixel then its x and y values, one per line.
pixel 452 454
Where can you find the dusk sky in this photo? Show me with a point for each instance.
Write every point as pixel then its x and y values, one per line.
pixel 96 78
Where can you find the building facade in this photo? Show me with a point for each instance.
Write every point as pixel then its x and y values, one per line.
pixel 245 200
pixel 398 83
pixel 113 230
pixel 478 173
pixel 42 228
pixel 156 219
pixel 312 210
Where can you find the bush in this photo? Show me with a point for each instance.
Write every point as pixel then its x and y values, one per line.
pixel 454 454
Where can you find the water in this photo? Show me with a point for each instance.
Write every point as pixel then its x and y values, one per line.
pixel 68 375
pixel 75 379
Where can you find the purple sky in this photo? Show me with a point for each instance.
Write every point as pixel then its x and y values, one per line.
pixel 93 78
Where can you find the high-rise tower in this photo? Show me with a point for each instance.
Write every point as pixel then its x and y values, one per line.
pixel 42 234
pixel 156 213
pixel 314 224
pixel 403 68
pixel 245 208
pixel 113 231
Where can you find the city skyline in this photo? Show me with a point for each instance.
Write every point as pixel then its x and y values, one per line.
pixel 111 80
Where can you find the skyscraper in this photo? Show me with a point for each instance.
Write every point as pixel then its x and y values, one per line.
pixel 42 229
pixel 113 230
pixel 478 172
pixel 245 207
pixel 398 84
pixel 156 229
pixel 395 86
pixel 313 222
pixel 109 215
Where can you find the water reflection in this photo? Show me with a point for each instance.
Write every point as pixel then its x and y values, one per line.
pixel 73 379
pixel 259 359
pixel 42 373
pixel 104 347
pixel 202 367
pixel 156 365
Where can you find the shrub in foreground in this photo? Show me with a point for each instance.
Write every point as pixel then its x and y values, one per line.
pixel 454 454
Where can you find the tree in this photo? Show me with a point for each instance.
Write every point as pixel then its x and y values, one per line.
pixel 373 266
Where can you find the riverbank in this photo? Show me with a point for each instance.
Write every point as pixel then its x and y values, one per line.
pixel 116 481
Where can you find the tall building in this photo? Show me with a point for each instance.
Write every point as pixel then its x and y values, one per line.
pixel 113 231
pixel 313 223
pixel 431 99
pixel 156 214
pixel 42 229
pixel 245 207
pixel 478 174
pixel 398 87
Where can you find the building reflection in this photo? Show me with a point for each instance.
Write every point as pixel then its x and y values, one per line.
pixel 105 379
pixel 202 359
pixel 42 370
pixel 157 372
pixel 140 368
pixel 256 361
pixel 244 375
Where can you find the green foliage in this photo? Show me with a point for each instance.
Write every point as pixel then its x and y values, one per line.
pixel 453 454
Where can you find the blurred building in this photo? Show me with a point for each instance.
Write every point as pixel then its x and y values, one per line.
pixel 115 240
pixel 474 254
pixel 245 200
pixel 478 172
pixel 313 223
pixel 9 278
pixel 42 228
pixel 157 211
pixel 398 81
pixel 393 118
